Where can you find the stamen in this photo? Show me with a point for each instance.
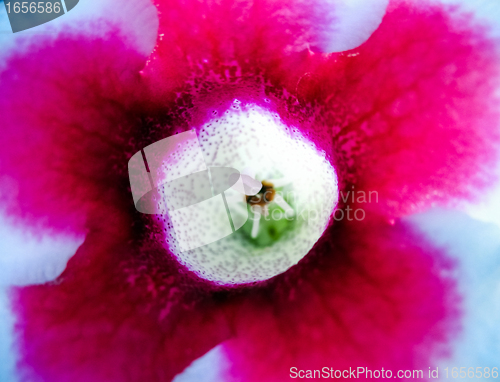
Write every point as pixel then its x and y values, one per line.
pixel 256 220
pixel 264 196
pixel 283 204
pixel 262 203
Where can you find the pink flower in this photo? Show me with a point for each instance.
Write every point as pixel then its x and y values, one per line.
pixel 409 114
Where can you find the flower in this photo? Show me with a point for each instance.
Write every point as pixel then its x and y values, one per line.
pixel 409 114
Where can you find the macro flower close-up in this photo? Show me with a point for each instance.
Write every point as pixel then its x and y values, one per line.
pixel 250 190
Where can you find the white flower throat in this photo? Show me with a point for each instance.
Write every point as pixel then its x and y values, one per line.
pixel 297 195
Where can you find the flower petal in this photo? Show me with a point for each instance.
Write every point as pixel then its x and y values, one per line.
pixel 7 353
pixel 369 295
pixel 476 247
pixel 67 113
pixel 354 22
pixel 30 258
pixel 413 111
pixel 209 368
pixel 243 36
pixel 120 311
pixel 487 208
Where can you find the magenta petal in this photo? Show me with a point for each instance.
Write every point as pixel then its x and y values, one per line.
pixel 228 39
pixel 67 109
pixel 413 111
pixel 369 295
pixel 240 30
pixel 408 115
pixel 119 312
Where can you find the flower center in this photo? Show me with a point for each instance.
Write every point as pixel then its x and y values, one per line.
pixel 284 219
pixel 264 196
pixel 270 214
